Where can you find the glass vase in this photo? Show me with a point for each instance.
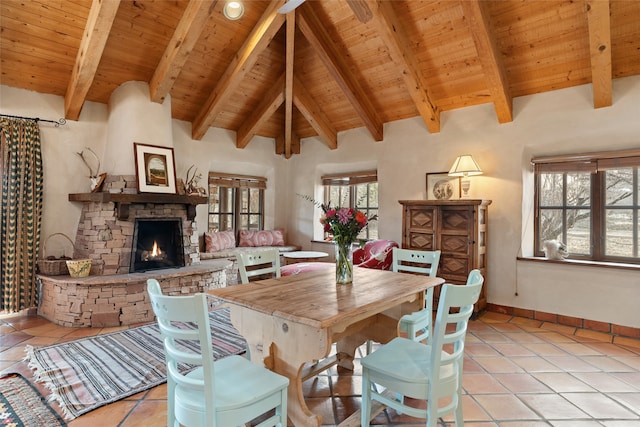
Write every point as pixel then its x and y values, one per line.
pixel 344 263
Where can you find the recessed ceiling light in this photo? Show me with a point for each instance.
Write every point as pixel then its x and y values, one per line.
pixel 233 10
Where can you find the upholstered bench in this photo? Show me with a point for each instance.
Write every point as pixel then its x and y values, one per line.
pixel 222 244
pixel 232 253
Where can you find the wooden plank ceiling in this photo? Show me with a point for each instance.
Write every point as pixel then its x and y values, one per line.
pixel 329 66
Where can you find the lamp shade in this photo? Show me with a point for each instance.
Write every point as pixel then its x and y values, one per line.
pixel 465 166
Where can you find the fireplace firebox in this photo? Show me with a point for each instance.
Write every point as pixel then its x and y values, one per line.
pixel 157 244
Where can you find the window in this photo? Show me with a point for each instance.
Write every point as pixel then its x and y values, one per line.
pixel 592 203
pixel 355 190
pixel 236 202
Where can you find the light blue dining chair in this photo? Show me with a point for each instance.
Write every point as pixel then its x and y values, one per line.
pixel 202 391
pixel 430 372
pixel 251 264
pixel 417 325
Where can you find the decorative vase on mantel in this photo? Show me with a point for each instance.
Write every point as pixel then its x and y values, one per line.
pixel 344 263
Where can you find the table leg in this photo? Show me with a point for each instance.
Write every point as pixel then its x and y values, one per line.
pixel 285 348
pixel 380 328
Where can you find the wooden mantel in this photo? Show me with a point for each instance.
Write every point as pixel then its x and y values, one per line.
pixel 123 200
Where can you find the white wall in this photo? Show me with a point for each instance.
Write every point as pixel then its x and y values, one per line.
pixel 133 118
pixel 558 122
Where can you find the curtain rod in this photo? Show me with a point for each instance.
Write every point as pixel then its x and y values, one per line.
pixel 62 121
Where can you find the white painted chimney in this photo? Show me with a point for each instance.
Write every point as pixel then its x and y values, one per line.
pixel 133 117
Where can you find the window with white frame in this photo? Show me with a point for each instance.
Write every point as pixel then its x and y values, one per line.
pixel 591 202
pixel 236 202
pixel 358 190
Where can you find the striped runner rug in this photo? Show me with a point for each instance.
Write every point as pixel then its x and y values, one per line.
pixel 85 374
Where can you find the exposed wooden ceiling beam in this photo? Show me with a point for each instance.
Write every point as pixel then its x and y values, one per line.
pixel 335 62
pixel 295 143
pixel 492 64
pixel 360 10
pixel 177 51
pixel 395 38
pixel 242 62
pixel 271 101
pixel 314 115
pixel 598 17
pixel 288 86
pixel 94 39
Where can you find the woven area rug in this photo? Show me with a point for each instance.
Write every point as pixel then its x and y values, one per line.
pixel 85 374
pixel 21 405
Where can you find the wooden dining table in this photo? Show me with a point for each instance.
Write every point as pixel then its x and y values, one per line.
pixel 290 323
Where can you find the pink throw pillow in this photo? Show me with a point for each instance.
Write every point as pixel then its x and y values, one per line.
pixel 250 238
pixel 219 240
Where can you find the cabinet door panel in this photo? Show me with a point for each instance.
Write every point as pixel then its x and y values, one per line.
pixel 422 241
pixel 455 245
pixel 454 269
pixel 457 221
pixel 422 219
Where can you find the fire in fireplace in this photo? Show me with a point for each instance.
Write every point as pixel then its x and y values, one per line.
pixel 157 243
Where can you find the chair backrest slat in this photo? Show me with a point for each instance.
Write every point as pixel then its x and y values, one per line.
pixel 263 262
pixel 406 260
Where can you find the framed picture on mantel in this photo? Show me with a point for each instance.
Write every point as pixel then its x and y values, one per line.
pixel 155 168
pixel 441 186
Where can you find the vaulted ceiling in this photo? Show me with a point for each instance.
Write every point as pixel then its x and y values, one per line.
pixel 328 66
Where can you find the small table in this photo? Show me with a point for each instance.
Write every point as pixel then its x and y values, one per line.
pixel 303 256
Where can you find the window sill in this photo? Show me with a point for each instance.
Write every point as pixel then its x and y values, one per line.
pixel 331 242
pixel 586 263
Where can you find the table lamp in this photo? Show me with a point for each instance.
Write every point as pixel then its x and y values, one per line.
pixel 465 167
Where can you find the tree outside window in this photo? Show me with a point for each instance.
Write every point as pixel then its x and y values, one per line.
pixel 591 204
pixel 358 190
pixel 236 202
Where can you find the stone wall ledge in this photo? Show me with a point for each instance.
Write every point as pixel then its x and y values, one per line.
pixel 122 299
pixel 205 266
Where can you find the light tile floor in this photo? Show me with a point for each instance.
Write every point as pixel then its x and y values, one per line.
pixel 518 373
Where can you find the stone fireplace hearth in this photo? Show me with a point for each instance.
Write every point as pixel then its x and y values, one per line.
pixel 121 299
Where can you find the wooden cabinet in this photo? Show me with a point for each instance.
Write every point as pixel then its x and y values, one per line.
pixel 458 228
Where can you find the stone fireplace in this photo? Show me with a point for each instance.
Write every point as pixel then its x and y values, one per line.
pixel 112 295
pixel 108 219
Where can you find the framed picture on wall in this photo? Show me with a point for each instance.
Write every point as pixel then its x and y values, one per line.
pixel 441 186
pixel 155 168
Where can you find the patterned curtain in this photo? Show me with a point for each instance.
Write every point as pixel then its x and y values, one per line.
pixel 22 182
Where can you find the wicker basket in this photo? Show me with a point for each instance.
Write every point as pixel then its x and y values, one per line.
pixel 54 267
